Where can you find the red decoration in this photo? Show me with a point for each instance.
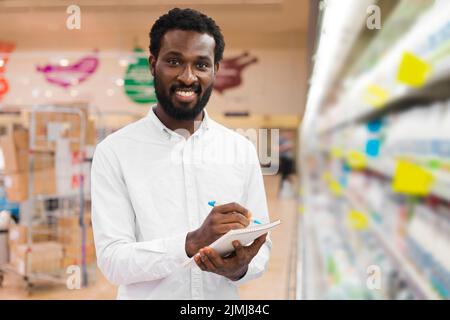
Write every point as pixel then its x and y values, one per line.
pixel 3 86
pixel 229 75
pixel 5 50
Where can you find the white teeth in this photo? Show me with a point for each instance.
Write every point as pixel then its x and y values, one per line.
pixel 185 93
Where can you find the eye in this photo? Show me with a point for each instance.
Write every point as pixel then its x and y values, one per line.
pixel 173 62
pixel 202 66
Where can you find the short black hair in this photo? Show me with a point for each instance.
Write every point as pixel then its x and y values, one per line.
pixel 187 20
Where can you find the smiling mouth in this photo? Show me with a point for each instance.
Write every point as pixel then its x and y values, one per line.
pixel 186 94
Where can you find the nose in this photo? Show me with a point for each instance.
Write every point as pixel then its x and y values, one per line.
pixel 187 77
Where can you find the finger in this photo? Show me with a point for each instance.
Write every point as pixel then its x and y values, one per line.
pixel 234 217
pixel 250 216
pixel 230 207
pixel 214 257
pixel 240 252
pixel 224 228
pixel 199 262
pixel 209 265
pixel 257 244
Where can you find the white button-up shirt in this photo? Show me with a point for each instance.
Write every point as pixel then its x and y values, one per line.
pixel 150 187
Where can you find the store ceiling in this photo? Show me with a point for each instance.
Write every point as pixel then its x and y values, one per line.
pixel 41 25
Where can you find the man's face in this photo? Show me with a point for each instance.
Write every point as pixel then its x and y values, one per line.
pixel 184 73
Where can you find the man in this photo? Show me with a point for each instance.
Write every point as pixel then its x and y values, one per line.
pixel 153 179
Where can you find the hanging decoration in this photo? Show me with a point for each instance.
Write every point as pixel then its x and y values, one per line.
pixel 71 75
pixel 138 80
pixel 230 71
pixel 5 50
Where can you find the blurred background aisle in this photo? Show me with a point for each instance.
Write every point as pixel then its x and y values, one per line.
pixel 375 153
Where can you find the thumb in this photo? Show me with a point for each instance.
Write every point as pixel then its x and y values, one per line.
pixel 257 244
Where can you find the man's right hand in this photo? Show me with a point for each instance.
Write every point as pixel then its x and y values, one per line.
pixel 219 221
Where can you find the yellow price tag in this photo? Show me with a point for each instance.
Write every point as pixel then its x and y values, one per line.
pixel 412 179
pixel 333 185
pixel 376 96
pixel 336 153
pixel 356 160
pixel 301 209
pixel 357 220
pixel 326 176
pixel 413 70
pixel 335 188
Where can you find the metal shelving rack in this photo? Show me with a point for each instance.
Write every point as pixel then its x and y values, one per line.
pixel 33 199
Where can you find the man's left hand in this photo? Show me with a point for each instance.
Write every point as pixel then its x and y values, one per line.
pixel 235 266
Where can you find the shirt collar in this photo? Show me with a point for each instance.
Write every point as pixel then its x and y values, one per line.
pixel 204 126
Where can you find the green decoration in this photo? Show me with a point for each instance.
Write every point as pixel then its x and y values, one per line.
pixel 138 80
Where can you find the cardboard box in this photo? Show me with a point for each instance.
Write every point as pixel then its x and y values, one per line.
pixel 16 184
pixel 73 222
pixel 90 136
pixel 69 261
pixel 91 133
pixel 73 236
pixel 21 139
pixel 44 257
pixel 16 187
pixel 43 233
pixel 18 234
pixel 74 251
pixel 43 160
pixel 15 151
pixel 17 154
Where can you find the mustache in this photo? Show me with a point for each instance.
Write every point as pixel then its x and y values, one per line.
pixel 194 87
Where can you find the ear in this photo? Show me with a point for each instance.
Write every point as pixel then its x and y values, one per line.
pixel 152 64
pixel 216 68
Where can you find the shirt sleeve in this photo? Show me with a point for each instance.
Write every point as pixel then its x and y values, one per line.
pixel 120 257
pixel 256 202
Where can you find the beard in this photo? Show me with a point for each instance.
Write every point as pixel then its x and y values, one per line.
pixel 181 113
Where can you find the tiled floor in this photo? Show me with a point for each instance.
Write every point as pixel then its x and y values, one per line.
pixel 272 285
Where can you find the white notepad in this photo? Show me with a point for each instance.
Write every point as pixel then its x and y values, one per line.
pixel 224 245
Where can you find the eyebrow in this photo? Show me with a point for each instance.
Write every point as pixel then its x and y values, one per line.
pixel 179 54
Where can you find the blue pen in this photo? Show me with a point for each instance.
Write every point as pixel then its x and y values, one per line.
pixel 213 203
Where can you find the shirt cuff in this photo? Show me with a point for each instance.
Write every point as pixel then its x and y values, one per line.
pixel 176 247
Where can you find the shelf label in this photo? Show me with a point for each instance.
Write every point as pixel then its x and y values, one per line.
pixel 376 96
pixel 335 188
pixel 356 160
pixel 357 220
pixel 413 70
pixel 336 153
pixel 333 185
pixel 411 179
pixel 373 147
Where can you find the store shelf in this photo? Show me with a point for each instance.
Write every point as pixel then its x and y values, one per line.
pixel 425 47
pixel 435 90
pixel 386 167
pixel 405 266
